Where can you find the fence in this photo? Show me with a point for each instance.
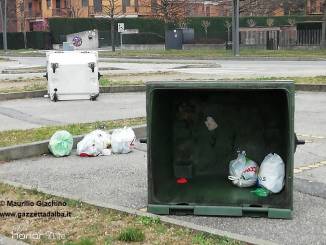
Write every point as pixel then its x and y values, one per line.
pixel 35 40
pixel 279 37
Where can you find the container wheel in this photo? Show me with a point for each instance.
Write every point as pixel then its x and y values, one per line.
pixel 94 97
pixel 55 97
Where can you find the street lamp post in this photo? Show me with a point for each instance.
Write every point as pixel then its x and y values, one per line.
pixel 3 15
pixel 235 28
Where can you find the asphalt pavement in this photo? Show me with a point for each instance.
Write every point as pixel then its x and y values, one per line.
pixel 37 112
pixel 121 179
pixel 211 68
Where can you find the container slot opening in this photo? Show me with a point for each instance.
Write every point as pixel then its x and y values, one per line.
pixel 181 211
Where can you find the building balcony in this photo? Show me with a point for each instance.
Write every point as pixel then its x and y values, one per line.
pixel 94 11
pixel 33 14
pixel 63 12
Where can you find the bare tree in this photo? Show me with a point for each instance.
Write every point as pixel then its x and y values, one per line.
pixel 112 10
pixel 21 17
pixel 268 7
pixel 169 11
pixel 228 25
pixel 205 24
pixel 75 9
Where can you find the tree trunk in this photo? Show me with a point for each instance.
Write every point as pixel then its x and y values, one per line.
pixel 113 35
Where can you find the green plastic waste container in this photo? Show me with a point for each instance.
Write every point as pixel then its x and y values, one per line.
pixel 255 116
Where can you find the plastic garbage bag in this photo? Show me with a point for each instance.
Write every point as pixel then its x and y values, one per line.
pixel 94 144
pixel 61 143
pixel 272 172
pixel 211 124
pixel 122 140
pixel 261 192
pixel 243 171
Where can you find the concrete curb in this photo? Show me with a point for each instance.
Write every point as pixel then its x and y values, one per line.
pixel 311 87
pixel 123 89
pixel 165 219
pixel 41 147
pixel 246 58
pixel 249 58
pixel 41 93
pixel 22 95
pixel 135 88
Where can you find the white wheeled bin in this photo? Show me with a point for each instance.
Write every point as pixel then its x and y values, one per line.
pixel 73 75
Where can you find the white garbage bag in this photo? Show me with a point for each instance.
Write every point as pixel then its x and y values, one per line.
pixel 272 172
pixel 122 140
pixel 243 171
pixel 95 144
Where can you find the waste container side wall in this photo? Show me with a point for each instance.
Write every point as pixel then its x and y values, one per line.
pixel 159 125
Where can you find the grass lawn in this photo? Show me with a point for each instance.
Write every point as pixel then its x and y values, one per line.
pixel 88 225
pixel 215 53
pixel 23 52
pixel 15 137
pixel 194 53
pixel 20 85
pixel 107 81
pixel 298 80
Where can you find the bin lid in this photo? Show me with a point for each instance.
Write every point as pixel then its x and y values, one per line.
pixel 72 57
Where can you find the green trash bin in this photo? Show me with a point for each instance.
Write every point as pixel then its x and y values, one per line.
pixel 255 116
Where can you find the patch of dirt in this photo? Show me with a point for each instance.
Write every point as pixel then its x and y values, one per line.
pixel 161 77
pixel 22 85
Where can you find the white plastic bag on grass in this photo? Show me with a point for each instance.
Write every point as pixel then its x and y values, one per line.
pixel 122 140
pixel 243 171
pixel 272 172
pixel 94 144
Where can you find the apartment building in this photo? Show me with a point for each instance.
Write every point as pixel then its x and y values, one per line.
pixel 315 7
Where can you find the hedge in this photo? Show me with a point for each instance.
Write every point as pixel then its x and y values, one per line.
pixel 36 40
pixel 141 38
pixel 217 32
pixel 39 40
pixel 15 40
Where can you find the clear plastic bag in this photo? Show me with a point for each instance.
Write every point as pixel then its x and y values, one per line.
pixel 272 172
pixel 94 144
pixel 61 143
pixel 122 140
pixel 243 171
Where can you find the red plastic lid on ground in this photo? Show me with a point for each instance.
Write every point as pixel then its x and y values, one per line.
pixel 182 181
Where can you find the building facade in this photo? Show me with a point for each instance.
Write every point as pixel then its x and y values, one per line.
pixel 315 7
pixel 33 15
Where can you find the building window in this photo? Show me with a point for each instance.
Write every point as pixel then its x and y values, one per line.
pixel 208 11
pixel 125 4
pixel 58 4
pixel 136 6
pixel 48 3
pixel 85 3
pixel 98 6
pixel 30 6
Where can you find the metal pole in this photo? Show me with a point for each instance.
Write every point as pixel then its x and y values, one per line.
pixel 121 42
pixel 237 29
pixel 5 46
pixel 233 27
